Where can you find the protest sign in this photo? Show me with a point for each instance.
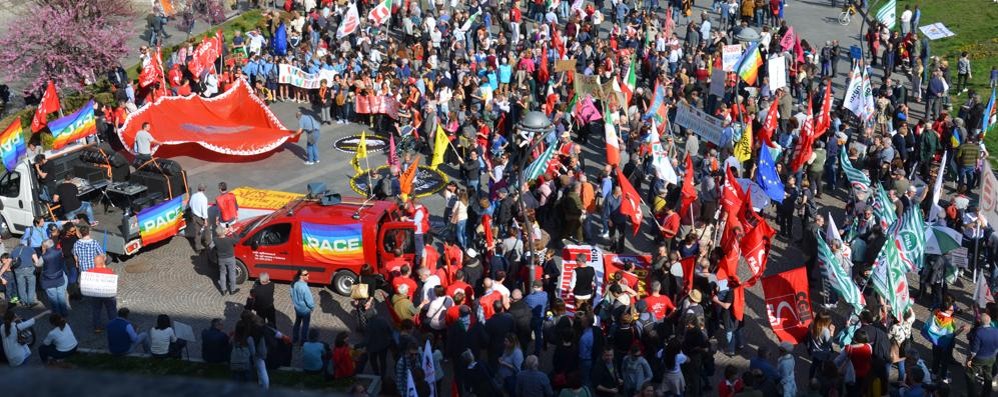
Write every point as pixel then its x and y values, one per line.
pixel 706 126
pixel 183 331
pixel 98 285
pixel 729 56
pixel 958 258
pixel 936 31
pixel 374 104
pixel 288 74
pixel 777 72
pixel 564 65
pixel 588 85
pixel 717 78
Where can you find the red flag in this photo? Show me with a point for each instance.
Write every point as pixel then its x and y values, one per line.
pixel 630 201
pixel 738 300
pixel 152 71
pixel 731 193
pixel 824 119
pixel 542 72
pixel 755 246
pixel 689 266
pixel 805 141
pixel 728 266
pixel 788 304
pixel 769 125
pixel 556 41
pixel 48 104
pixel 689 192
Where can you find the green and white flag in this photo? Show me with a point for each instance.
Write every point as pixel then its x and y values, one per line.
pixel 909 232
pixel 471 19
pixel 838 277
pixel 890 278
pixel 857 178
pixel 887 14
pixel 884 208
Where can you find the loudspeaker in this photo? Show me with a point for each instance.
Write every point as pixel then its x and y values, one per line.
pixel 316 189
pixel 330 199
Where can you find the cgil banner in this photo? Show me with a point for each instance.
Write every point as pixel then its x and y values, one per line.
pixel 569 264
pixel 287 74
pixel 788 304
pixel 706 126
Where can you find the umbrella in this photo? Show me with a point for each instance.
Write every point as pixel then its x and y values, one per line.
pixel 757 194
pixel 941 239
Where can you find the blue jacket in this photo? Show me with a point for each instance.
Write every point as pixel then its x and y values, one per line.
pixel 120 336
pixel 301 297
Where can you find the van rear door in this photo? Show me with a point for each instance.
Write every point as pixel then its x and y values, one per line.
pixel 16 197
pixel 276 249
pixel 396 235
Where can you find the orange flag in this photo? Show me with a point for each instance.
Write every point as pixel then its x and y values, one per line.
pixel 405 180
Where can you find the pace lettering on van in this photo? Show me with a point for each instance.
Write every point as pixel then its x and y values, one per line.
pixel 332 244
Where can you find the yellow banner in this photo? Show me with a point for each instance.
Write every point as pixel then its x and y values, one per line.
pixel 248 197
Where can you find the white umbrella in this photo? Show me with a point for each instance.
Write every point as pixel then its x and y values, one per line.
pixel 941 239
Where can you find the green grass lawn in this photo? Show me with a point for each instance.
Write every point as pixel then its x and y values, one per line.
pixel 174 367
pixel 975 23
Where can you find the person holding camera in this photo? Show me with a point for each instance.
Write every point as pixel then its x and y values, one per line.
pixel 18 336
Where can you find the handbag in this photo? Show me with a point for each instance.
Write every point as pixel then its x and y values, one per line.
pixel 358 291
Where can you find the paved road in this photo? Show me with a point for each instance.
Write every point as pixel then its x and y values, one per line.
pixel 170 280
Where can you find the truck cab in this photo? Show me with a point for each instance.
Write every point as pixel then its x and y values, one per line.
pixel 331 241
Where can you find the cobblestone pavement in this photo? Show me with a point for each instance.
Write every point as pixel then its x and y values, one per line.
pixel 168 279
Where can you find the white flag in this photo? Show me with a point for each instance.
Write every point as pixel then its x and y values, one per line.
pixel 937 191
pixel 869 104
pixel 350 23
pixel 410 385
pixel 854 93
pixel 982 293
pixel 381 13
pixel 428 368
pixel 831 231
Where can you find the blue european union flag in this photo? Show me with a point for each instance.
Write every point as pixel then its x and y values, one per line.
pixel 767 178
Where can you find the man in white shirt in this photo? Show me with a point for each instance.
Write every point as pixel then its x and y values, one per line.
pixel 143 144
pixel 906 20
pixel 493 285
pixel 199 218
pixel 429 281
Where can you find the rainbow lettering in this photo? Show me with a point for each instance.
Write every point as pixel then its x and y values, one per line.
pixel 12 147
pixel 162 221
pixel 341 245
pixel 78 125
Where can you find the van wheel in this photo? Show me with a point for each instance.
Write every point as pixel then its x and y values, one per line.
pixel 342 281
pixel 4 230
pixel 241 272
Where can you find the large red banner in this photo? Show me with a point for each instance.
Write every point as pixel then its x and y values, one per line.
pixel 788 304
pixel 375 104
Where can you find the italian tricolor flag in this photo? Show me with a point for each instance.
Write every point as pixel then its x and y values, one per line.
pixel 612 142
pixel 630 82
pixel 381 12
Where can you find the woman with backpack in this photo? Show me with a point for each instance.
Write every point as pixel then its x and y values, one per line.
pixel 18 336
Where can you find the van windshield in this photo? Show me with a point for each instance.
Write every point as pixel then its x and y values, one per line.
pixel 252 226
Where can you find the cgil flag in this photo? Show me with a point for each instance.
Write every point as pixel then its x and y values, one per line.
pixel 770 124
pixel 887 15
pixel 788 304
pixel 630 201
pixel 838 277
pixel 883 207
pixel 748 68
pixel 824 118
pixel 73 127
pixel 12 147
pixel 440 143
pixel 350 23
pixel 755 247
pixel 688 194
pixel 804 149
pixel 49 104
pixel 380 13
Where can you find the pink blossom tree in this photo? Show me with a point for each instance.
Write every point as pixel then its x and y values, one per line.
pixel 68 41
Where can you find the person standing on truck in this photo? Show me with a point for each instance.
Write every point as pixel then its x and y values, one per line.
pixel 228 208
pixel 42 171
pixel 225 247
pixel 68 197
pixel 199 218
pixel 301 297
pixel 143 145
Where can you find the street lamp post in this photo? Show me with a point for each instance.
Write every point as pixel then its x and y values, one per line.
pixel 538 124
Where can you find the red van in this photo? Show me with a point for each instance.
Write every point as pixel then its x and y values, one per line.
pixel 330 240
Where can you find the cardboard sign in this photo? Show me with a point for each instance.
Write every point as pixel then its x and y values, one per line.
pixel 958 258
pixel 777 72
pixel 564 65
pixel 588 85
pixel 730 54
pixel 706 126
pixel 183 331
pixel 98 285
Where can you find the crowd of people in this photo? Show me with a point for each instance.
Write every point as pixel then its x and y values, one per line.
pixel 485 291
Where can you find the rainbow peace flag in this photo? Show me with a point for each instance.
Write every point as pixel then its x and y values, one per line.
pixel 12 147
pixel 939 329
pixel 162 221
pixel 78 125
pixel 341 245
pixel 750 63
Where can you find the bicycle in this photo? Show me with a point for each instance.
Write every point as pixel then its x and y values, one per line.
pixel 845 17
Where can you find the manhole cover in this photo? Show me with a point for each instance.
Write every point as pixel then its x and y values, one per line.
pixel 426 182
pixel 138 267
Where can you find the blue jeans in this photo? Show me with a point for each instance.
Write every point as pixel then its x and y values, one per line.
pixel 537 324
pixel 734 339
pixel 85 208
pixel 299 332
pixel 57 298
pixel 26 284
pixel 966 176
pixel 227 274
pixel 585 370
pixel 311 152
pixel 462 233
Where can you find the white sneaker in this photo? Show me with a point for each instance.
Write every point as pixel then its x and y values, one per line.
pixel 316 162
pixel 309 163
